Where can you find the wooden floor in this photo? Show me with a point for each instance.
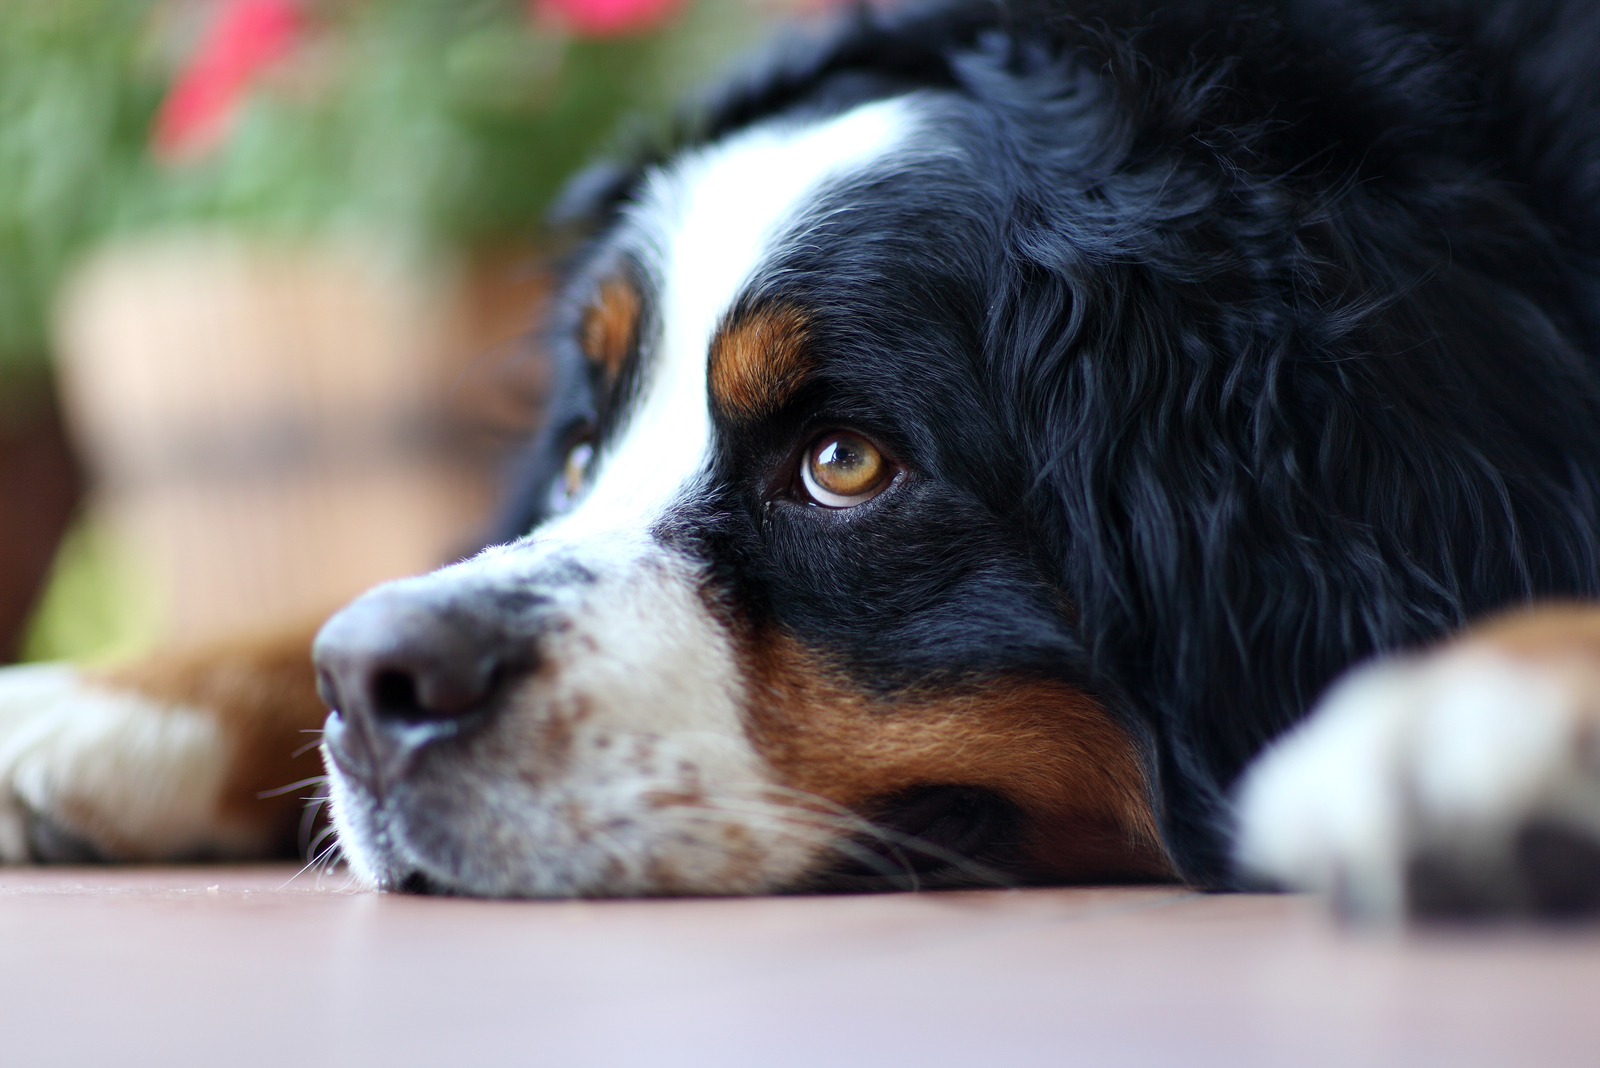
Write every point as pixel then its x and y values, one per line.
pixel 250 966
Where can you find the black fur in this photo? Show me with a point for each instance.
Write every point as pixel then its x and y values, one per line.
pixel 1263 336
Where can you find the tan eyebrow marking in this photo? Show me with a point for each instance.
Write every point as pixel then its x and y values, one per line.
pixel 758 361
pixel 611 325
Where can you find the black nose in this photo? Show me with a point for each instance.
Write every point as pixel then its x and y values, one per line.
pixel 404 666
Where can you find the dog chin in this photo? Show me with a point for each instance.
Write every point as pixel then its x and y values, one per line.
pixel 631 838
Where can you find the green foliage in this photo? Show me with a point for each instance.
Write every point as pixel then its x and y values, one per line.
pixel 97 605
pixel 75 102
pixel 433 123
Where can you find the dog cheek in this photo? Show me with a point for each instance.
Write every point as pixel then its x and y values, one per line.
pixel 1047 748
pixel 644 721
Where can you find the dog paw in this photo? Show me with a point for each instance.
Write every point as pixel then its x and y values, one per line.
pixel 1459 782
pixel 93 773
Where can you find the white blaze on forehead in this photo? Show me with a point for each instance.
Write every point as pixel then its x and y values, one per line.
pixel 709 221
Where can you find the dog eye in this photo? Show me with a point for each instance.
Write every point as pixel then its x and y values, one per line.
pixel 842 469
pixel 574 476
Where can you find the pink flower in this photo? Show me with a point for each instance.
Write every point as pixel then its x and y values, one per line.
pixel 607 18
pixel 244 38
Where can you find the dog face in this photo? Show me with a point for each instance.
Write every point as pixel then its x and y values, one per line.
pixel 986 436
pixel 787 623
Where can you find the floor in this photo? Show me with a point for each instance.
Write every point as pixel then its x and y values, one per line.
pixel 254 966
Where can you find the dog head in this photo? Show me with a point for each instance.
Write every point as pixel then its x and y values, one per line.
pixel 971 446
pixel 790 618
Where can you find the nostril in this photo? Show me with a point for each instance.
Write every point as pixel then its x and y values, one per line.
pixel 422 691
pixel 398 659
pixel 394 693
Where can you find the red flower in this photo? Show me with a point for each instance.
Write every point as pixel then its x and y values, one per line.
pixel 244 38
pixel 607 18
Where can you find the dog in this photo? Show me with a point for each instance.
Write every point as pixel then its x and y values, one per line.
pixel 982 433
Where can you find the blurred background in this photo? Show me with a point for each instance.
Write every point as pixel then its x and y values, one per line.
pixel 265 271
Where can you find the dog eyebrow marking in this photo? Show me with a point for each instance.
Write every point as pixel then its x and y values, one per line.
pixel 610 326
pixel 703 230
pixel 758 360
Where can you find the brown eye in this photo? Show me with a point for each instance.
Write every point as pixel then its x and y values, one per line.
pixel 574 476
pixel 844 469
pixel 576 471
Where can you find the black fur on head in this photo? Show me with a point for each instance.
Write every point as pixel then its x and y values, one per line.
pixel 1237 342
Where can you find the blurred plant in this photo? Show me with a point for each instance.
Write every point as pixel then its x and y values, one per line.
pixel 98 605
pixel 75 103
pixel 244 38
pixel 605 18
pixel 434 124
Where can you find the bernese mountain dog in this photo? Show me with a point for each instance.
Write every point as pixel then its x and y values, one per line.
pixel 983 432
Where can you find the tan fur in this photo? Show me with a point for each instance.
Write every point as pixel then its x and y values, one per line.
pixel 262 694
pixel 1046 747
pixel 611 325
pixel 758 362
pixel 1563 640
pixel 1555 627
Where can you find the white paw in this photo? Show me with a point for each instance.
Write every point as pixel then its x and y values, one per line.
pixel 1463 780
pixel 92 773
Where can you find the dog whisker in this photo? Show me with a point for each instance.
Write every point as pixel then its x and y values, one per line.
pixel 787 825
pixel 315 858
pixel 850 821
pixel 308 820
pixel 839 831
pixel 281 790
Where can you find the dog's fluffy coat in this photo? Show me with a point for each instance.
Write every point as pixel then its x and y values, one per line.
pixel 1212 348
pixel 1271 328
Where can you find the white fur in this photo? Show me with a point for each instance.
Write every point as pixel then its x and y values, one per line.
pixel 137 780
pixel 1450 753
pixel 1324 801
